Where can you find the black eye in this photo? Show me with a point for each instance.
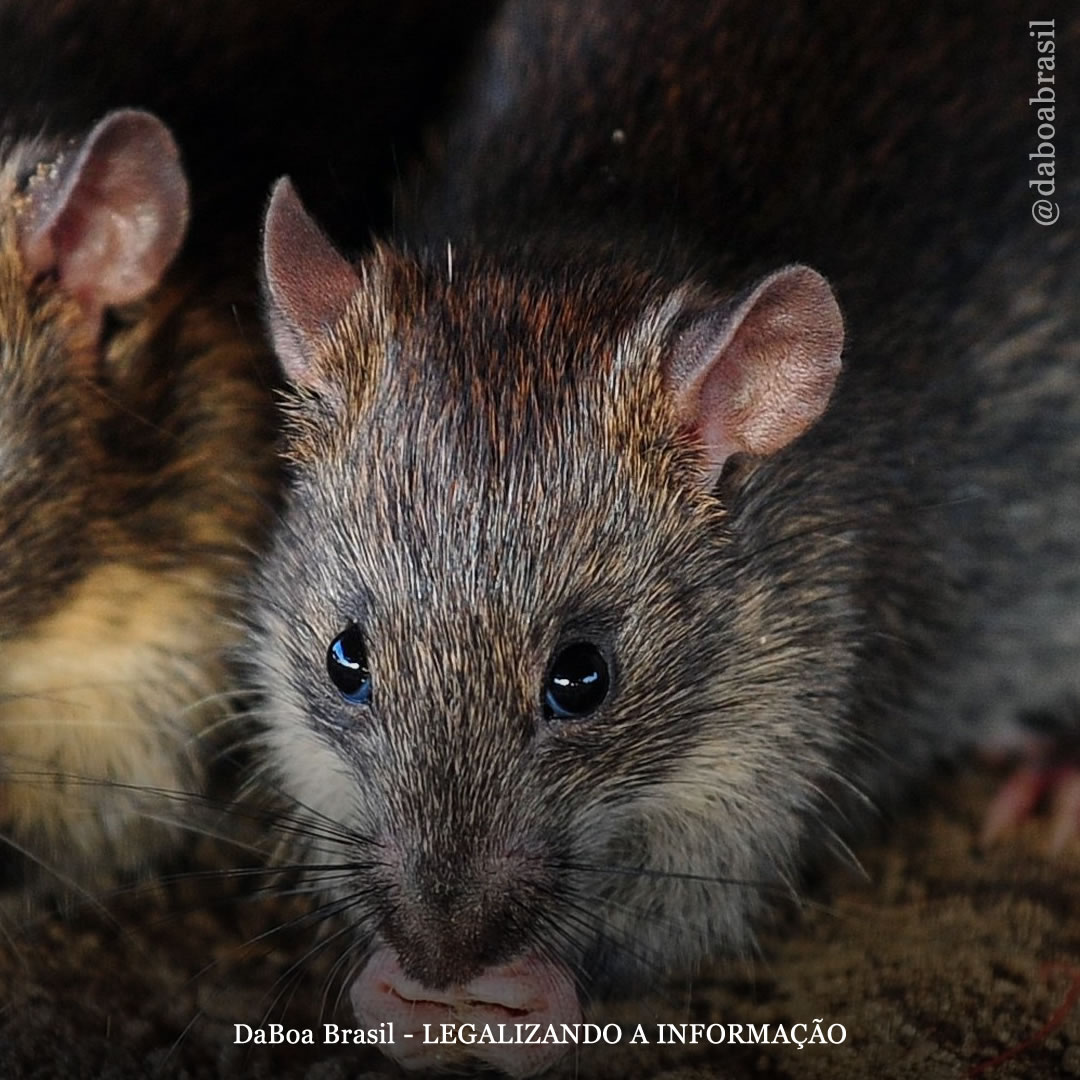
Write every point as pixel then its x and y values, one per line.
pixel 346 661
pixel 577 682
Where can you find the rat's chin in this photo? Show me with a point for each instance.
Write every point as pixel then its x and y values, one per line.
pixel 529 991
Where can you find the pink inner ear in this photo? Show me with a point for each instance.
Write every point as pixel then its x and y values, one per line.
pixel 308 284
pixel 110 218
pixel 754 377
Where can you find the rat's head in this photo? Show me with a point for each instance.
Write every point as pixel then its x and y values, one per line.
pixel 85 225
pixel 514 658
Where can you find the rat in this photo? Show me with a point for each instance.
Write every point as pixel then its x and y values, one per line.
pixel 694 467
pixel 136 478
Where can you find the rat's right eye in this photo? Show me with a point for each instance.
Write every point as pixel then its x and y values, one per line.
pixel 346 662
pixel 577 682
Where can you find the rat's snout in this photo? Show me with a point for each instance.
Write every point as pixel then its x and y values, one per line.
pixel 458 912
pixel 494 1017
pixel 458 947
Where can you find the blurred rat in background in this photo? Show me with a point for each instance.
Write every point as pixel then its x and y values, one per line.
pixel 136 477
pixel 136 467
pixel 696 467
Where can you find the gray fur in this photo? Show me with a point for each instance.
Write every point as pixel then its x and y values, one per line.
pixel 487 461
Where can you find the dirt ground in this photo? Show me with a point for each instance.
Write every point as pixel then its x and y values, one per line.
pixel 943 961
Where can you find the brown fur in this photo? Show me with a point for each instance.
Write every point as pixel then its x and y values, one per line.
pixel 136 480
pixel 493 369
pixel 490 457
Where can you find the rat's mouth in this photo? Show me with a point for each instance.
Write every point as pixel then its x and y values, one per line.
pixel 505 1013
pixel 491 1018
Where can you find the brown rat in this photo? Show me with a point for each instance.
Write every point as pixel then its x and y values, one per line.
pixel 602 600
pixel 136 477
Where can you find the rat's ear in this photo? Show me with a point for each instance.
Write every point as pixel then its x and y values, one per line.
pixel 108 217
pixel 307 284
pixel 754 376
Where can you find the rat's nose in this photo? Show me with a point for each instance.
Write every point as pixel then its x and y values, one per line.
pixel 456 917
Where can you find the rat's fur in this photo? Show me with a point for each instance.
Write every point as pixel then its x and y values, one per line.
pixel 489 459
pixel 723 685
pixel 136 478
pixel 140 464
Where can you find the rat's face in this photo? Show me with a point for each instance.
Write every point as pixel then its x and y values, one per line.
pixel 490 630
pixel 508 652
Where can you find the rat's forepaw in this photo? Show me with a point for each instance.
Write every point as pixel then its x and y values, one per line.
pixel 1030 786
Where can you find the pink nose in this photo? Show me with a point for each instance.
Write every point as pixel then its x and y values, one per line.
pixel 434 1028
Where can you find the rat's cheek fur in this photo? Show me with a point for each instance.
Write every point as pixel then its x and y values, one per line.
pixel 314 779
pixel 693 864
pixel 303 761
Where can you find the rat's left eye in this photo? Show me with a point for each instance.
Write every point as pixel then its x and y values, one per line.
pixel 577 681
pixel 346 663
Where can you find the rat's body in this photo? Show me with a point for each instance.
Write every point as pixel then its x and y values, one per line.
pixel 576 432
pixel 136 481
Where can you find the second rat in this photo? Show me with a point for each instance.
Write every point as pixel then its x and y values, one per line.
pixel 697 466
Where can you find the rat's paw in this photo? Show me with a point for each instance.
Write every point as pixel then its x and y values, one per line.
pixel 1046 742
pixel 1028 788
